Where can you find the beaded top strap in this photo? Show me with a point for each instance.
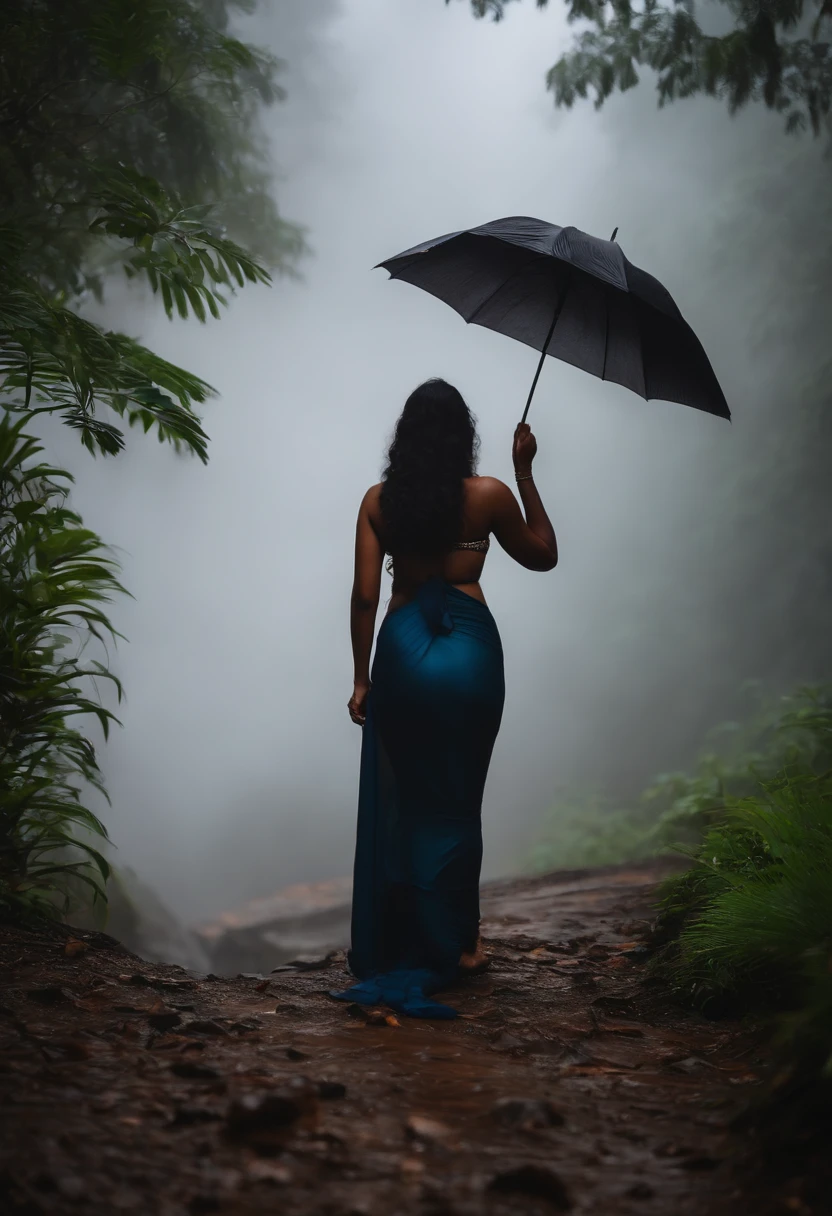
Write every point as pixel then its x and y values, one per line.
pixel 478 546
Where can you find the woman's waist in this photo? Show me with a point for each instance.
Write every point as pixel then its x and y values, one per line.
pixel 438 611
pixel 403 595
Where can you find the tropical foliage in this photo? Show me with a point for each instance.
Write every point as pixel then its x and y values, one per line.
pixel 677 809
pixel 756 897
pixel 55 580
pixel 129 142
pixel 776 52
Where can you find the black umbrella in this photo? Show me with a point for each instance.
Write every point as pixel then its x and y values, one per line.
pixel 572 296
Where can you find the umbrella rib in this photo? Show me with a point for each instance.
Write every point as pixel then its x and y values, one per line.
pixel 499 287
pixel 606 330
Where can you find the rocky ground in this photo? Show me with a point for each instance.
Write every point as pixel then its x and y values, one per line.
pixel 567 1083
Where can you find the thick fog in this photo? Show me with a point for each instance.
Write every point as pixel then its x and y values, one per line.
pixel 236 771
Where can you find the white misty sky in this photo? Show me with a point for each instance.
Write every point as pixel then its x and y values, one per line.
pixel 236 772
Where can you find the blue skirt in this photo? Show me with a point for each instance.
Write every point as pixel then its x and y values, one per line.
pixel 433 713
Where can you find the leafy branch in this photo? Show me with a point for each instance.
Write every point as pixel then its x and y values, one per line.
pixel 777 53
pixel 56 580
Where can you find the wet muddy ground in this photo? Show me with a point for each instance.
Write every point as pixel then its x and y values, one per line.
pixel 567 1083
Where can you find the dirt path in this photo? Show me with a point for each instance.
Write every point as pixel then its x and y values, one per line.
pixel 566 1084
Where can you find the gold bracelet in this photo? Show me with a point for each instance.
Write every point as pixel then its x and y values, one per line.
pixel 524 476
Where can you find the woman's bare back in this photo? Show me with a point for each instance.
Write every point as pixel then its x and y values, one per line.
pixel 488 507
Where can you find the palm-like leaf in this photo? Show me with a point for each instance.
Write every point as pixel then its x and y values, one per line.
pixel 55 582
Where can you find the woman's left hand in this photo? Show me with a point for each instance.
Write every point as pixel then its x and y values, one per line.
pixel 357 704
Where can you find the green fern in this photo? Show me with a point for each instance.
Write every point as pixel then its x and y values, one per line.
pixel 757 901
pixel 55 581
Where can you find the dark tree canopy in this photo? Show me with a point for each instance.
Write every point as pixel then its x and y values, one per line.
pixel 160 87
pixel 776 52
pixel 129 137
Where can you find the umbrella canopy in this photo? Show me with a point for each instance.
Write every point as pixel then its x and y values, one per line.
pixel 572 296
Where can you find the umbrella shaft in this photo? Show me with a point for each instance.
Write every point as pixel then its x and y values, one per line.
pixel 543 356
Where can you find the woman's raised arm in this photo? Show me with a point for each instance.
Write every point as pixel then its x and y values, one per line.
pixel 530 541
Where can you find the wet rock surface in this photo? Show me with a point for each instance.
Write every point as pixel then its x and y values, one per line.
pixel 297 928
pixel 567 1083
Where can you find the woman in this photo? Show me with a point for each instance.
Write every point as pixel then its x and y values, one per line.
pixel 432 712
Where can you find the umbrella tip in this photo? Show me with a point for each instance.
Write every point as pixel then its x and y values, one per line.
pixel 614 234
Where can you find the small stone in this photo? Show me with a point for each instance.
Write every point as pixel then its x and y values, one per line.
pixel 74 947
pixel 269 1172
pixel 536 1181
pixel 193 1071
pixel 329 1090
pixel 163 1021
pixel 269 1110
pixel 49 996
pixel 307 962
pixel 431 1131
pixel 204 1026
pixel 526 1113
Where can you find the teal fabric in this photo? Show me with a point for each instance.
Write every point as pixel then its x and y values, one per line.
pixel 433 713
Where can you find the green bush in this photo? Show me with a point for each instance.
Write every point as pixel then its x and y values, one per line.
pixel 747 920
pixel 55 578
pixel 677 809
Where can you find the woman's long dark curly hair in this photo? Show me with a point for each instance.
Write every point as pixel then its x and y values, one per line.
pixel 434 449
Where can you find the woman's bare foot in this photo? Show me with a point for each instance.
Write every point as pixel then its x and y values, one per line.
pixel 477 961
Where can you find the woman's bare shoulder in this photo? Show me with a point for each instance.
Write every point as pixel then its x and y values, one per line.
pixel 371 503
pixel 487 489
